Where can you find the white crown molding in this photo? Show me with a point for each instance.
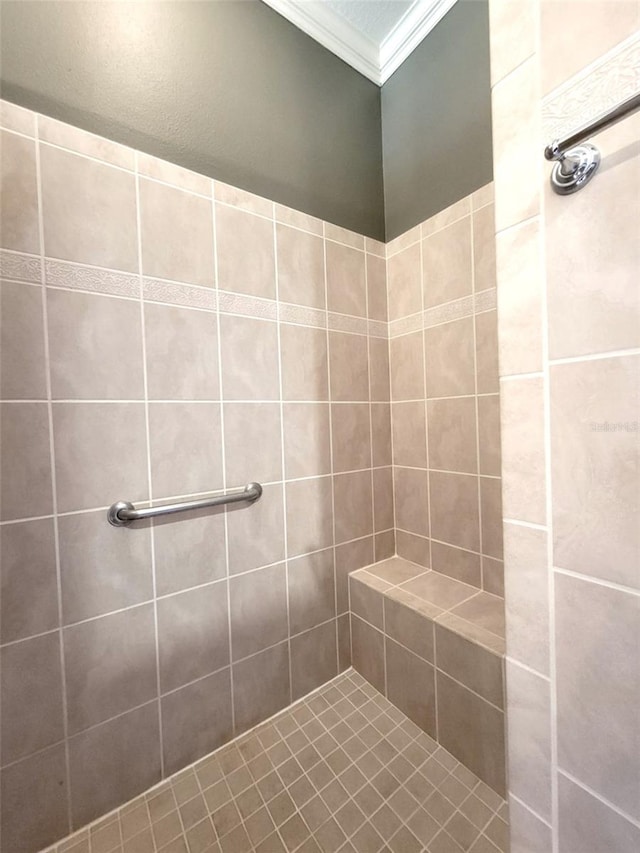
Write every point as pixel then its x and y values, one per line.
pixel 333 32
pixel 376 62
pixel 407 34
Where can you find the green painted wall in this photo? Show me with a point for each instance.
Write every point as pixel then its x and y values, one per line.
pixel 436 120
pixel 229 89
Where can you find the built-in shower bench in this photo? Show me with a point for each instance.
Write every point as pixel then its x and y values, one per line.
pixel 435 647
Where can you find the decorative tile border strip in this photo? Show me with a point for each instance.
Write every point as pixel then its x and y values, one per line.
pixel 174 293
pixel 302 315
pixel 475 303
pixel 19 267
pixel 378 329
pixel 247 306
pixel 594 90
pixel 94 279
pixel 347 323
pixel 405 325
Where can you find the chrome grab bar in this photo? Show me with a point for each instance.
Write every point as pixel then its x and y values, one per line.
pixel 122 513
pixel 577 160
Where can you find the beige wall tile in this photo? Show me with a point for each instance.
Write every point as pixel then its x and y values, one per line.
pixel 366 599
pixel 597 27
pixel 595 470
pixel 491 512
pixel 527 831
pixel 304 363
pixel 110 666
pixel 462 565
pixel 26 461
pixel 513 30
pixel 100 569
pixel 367 649
pixel 28 579
pixel 261 686
pixel 584 316
pixel 589 825
pixel 349 557
pixel 493 576
pixel 529 752
pixel 527 595
pixel 196 720
pixel 67 136
pixel 298 219
pixel 32 709
pixel 377 288
pixel 189 550
pixel 349 367
pixel 412 547
pixel 182 353
pixel 523 452
pixel 252 443
pixel 249 353
pixel 409 434
pixel 409 628
pixel 311 586
pixel 447 264
pixel 16 118
pixel 246 253
pixel 314 659
pixel 379 369
pixel 353 506
pixel 487 352
pixel 381 433
pixel 597 671
pixel 193 634
pixel 309 515
pixel 473 730
pixel 404 282
pixel 454 509
pixel 450 359
pixel 44 777
pixel 351 436
pixel 19 193
pixel 343 235
pixel 242 199
pixel 385 545
pixel 517 138
pixel 411 686
pixel 483 610
pixel 186 448
pixel 96 227
pixel 452 434
pixel 300 267
pixel 22 364
pixel 411 491
pixel 407 367
pixel 346 285
pixel 97 756
pixel 520 290
pixel 383 500
pixel 489 435
pixel 484 248
pixel 80 368
pixel 470 664
pixel 258 610
pixel 307 451
pixel 256 531
pixel 161 170
pixel 177 234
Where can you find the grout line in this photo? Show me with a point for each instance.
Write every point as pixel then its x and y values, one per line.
pixel 151 535
pixel 529 809
pixel 54 488
pixel 282 460
pixel 632 820
pixel 618 587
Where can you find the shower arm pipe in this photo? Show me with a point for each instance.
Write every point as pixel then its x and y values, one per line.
pixel 123 513
pixel 577 160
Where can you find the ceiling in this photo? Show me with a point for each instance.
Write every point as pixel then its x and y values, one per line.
pixel 373 36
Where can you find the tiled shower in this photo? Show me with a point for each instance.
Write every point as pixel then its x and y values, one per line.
pixel 351 662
